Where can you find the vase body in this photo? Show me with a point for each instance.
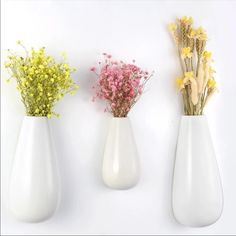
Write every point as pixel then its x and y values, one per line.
pixel 121 168
pixel 34 190
pixel 197 196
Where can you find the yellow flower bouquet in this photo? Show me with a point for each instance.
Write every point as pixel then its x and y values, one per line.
pixel 40 80
pixel 197 83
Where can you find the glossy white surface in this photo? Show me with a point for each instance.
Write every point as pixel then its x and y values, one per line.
pixel 34 186
pixel 120 163
pixel 197 192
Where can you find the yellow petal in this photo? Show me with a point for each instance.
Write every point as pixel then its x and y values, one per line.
pixel 172 27
pixel 211 83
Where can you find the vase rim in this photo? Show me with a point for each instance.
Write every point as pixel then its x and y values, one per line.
pixel 118 118
pixel 193 116
pixel 36 117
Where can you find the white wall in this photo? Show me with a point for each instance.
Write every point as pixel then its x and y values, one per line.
pixel 127 29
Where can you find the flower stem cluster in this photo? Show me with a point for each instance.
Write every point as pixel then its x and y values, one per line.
pixel 197 83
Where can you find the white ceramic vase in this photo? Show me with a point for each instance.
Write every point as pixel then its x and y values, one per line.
pixel 34 190
pixel 120 164
pixel 197 196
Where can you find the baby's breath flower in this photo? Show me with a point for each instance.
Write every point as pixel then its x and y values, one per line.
pixel 40 80
pixel 120 84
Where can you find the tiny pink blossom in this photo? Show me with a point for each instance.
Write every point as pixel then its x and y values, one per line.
pixel 93 69
pixel 140 90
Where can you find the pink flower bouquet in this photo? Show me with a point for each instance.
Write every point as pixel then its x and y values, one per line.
pixel 120 84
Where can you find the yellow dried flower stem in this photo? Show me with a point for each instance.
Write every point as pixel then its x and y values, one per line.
pixel 198 83
pixel 173 29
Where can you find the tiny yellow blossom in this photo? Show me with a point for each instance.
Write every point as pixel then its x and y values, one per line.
pixel 7 65
pixel 186 52
pixel 72 92
pixel 186 20
pixel 207 55
pixel 188 74
pixel 18 42
pixel 211 83
pixel 31 71
pixel 66 66
pixel 179 82
pixel 172 27
pixel 200 33
pixel 192 33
